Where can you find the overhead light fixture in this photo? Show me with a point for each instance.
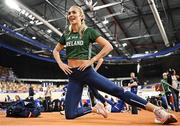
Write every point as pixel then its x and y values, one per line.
pixel 109 55
pixel 36 21
pixel 26 14
pixel 30 16
pixel 33 37
pixel 31 22
pixel 146 52
pixel 155 51
pixel 49 31
pixel 12 4
pixel 23 11
pixel 124 44
pixel 39 23
pixel 116 44
pixel 105 21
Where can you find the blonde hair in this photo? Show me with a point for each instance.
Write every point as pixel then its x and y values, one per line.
pixel 83 26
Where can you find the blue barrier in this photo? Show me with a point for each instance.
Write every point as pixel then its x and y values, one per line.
pixel 149 55
pixel 27 54
pixel 26 39
pixel 42 46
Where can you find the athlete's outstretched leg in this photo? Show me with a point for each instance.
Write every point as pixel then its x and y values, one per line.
pixel 101 83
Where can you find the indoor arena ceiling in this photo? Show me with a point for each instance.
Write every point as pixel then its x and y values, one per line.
pixel 134 27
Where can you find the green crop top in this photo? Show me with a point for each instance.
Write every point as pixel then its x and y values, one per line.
pixel 77 48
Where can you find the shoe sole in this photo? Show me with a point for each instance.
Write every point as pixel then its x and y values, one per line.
pixel 171 119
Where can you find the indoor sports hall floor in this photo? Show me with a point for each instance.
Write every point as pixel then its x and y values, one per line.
pixel 143 118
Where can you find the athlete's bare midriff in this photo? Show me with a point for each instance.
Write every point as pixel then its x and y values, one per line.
pixel 75 62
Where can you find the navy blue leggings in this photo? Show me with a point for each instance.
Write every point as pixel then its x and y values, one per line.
pixel 89 76
pixel 94 93
pixel 98 96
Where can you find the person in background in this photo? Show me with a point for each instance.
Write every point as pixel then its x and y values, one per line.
pixel 48 94
pixel 17 98
pixel 168 93
pixel 7 98
pixel 31 93
pixel 133 84
pixel 162 101
pixel 172 79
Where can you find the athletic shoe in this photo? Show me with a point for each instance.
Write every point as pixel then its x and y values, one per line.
pixel 164 117
pixel 62 112
pixel 101 110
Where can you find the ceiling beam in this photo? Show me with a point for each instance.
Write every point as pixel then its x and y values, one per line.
pixel 103 29
pixel 40 18
pixel 169 11
pixel 159 22
pixel 149 45
pixel 147 13
pixel 143 20
pixel 121 27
